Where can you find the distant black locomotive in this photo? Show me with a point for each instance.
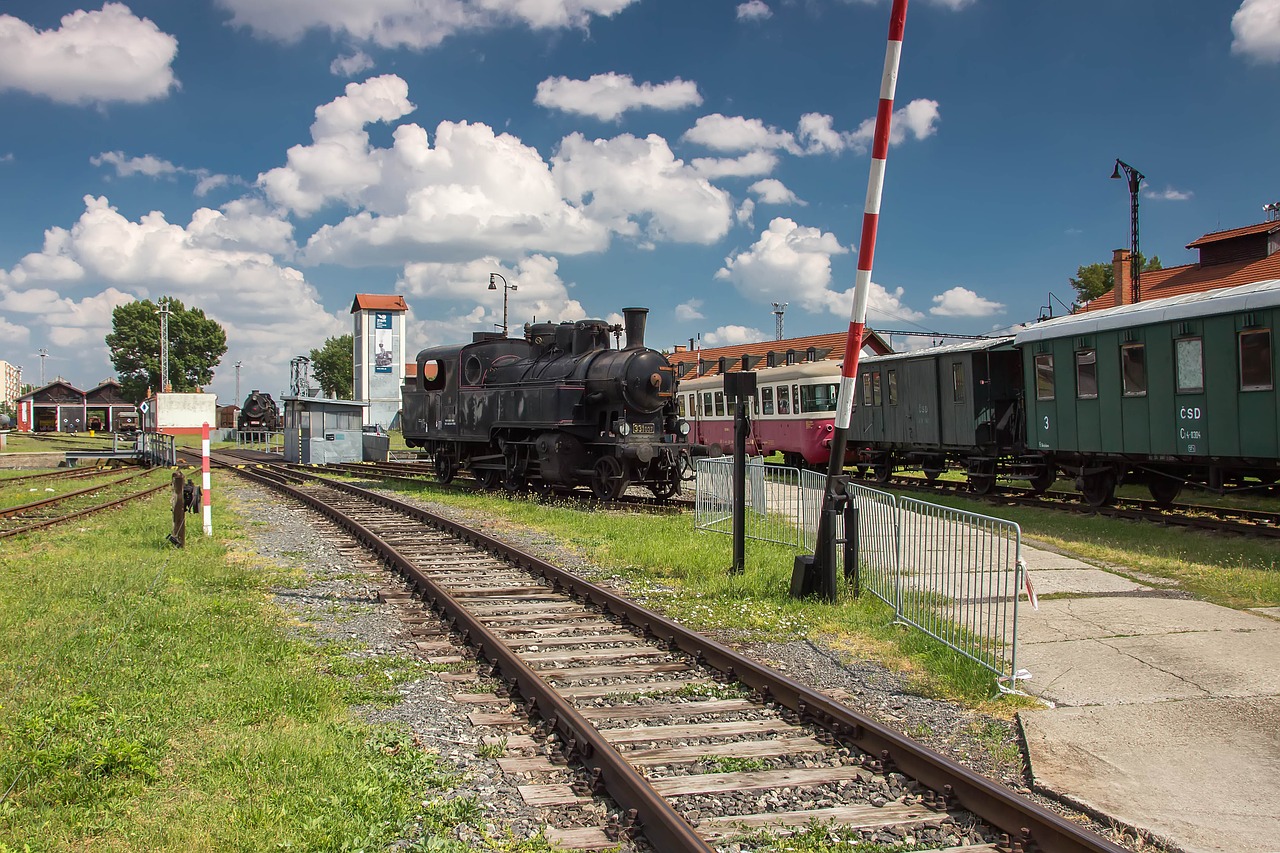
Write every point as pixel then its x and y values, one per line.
pixel 556 409
pixel 258 414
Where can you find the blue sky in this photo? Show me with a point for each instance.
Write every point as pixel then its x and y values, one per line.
pixel 267 159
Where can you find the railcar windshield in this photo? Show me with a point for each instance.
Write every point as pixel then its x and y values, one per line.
pixel 818 398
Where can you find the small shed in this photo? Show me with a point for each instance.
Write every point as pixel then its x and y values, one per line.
pixel 318 431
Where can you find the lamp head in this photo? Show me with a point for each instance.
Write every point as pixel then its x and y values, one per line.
pixel 513 287
pixel 1115 174
pixel 493 285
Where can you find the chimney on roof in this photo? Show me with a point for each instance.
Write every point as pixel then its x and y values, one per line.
pixel 1121 262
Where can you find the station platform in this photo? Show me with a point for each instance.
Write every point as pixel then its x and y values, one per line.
pixel 1165 710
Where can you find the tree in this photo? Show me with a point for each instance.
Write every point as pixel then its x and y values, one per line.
pixel 196 345
pixel 333 366
pixel 1096 279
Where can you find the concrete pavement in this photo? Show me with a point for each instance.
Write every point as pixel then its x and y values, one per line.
pixel 1166 710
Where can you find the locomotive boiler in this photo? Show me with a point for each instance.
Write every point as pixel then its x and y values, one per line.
pixel 556 409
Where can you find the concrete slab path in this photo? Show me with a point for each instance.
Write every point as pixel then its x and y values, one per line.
pixel 1166 710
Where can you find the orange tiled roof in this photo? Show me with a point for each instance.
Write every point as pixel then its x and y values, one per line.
pixel 1217 236
pixel 378 302
pixel 833 342
pixel 1194 278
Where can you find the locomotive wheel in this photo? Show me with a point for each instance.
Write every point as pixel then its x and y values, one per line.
pixel 445 469
pixel 666 489
pixel 1040 483
pixel 608 480
pixel 488 478
pixel 1099 489
pixel 1164 490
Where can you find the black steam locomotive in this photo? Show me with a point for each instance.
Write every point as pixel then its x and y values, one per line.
pixel 556 409
pixel 258 414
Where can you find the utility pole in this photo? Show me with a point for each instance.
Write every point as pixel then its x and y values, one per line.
pixel 164 313
pixel 44 353
pixel 236 401
pixel 779 308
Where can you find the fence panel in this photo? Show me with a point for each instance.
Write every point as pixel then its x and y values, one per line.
pixel 958 580
pixel 878 542
pixel 773 499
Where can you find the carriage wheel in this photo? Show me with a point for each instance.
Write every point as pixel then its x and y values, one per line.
pixel 1164 490
pixel 882 471
pixel 608 480
pixel 1041 482
pixel 488 478
pixel 1099 489
pixel 445 469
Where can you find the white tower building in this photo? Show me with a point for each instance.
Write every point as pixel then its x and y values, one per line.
pixel 378 340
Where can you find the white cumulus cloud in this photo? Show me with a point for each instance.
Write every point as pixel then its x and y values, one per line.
pixel 725 336
pixel 736 133
pixel 962 302
pixel 608 96
pixel 1255 28
pixel 155 167
pixel 687 311
pixel 350 64
pixel 773 191
pixel 918 119
pixel 788 260
pixel 1167 194
pixel 411 23
pixel 754 10
pixel 93 57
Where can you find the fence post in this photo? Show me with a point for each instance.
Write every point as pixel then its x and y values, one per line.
pixel 205 487
pixel 852 569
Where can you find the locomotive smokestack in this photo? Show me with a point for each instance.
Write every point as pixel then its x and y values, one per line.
pixel 634 320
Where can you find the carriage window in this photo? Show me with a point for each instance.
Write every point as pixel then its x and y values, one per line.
pixel 865 381
pixel 1087 374
pixel 1189 355
pixel 1133 368
pixel 706 404
pixel 1044 376
pixel 766 400
pixel 719 404
pixel 431 375
pixel 784 404
pixel 819 398
pixel 957 383
pixel 892 382
pixel 876 397
pixel 795 399
pixel 1255 361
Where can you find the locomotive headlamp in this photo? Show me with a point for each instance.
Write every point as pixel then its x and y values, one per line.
pixel 682 427
pixel 622 428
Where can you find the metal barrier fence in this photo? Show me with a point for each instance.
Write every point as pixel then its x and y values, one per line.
pixel 267 442
pixel 157 449
pixel 773 500
pixel 953 574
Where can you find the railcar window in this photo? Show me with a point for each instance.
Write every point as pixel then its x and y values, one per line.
pixel 432 375
pixel 1044 376
pixel 957 383
pixel 795 399
pixel 766 400
pixel 1189 353
pixel 1255 361
pixel 892 382
pixel 680 405
pixel 1133 367
pixel 875 389
pixel 1087 374
pixel 755 404
pixel 719 403
pixel 706 404
pixel 865 381
pixel 784 404
pixel 818 398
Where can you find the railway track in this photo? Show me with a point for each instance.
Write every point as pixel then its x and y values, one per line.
pixel 693 742
pixel 47 512
pixel 1240 522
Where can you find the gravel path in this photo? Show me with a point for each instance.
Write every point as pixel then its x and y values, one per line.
pixel 338 601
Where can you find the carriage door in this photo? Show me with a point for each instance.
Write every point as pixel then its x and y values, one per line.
pixel 920 401
pixel 1191 404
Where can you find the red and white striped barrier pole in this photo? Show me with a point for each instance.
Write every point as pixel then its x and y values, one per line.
pixel 825 550
pixel 206 504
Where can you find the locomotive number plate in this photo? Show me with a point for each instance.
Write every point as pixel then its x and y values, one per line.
pixel 642 429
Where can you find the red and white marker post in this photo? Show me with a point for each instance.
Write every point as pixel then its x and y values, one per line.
pixel 206 504
pixel 824 553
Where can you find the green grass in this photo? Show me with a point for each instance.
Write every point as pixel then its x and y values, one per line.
pixel 154 699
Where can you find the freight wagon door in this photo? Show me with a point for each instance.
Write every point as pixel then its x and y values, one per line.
pixel 920 396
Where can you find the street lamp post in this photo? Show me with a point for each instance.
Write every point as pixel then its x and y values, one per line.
pixel 1135 183
pixel 493 285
